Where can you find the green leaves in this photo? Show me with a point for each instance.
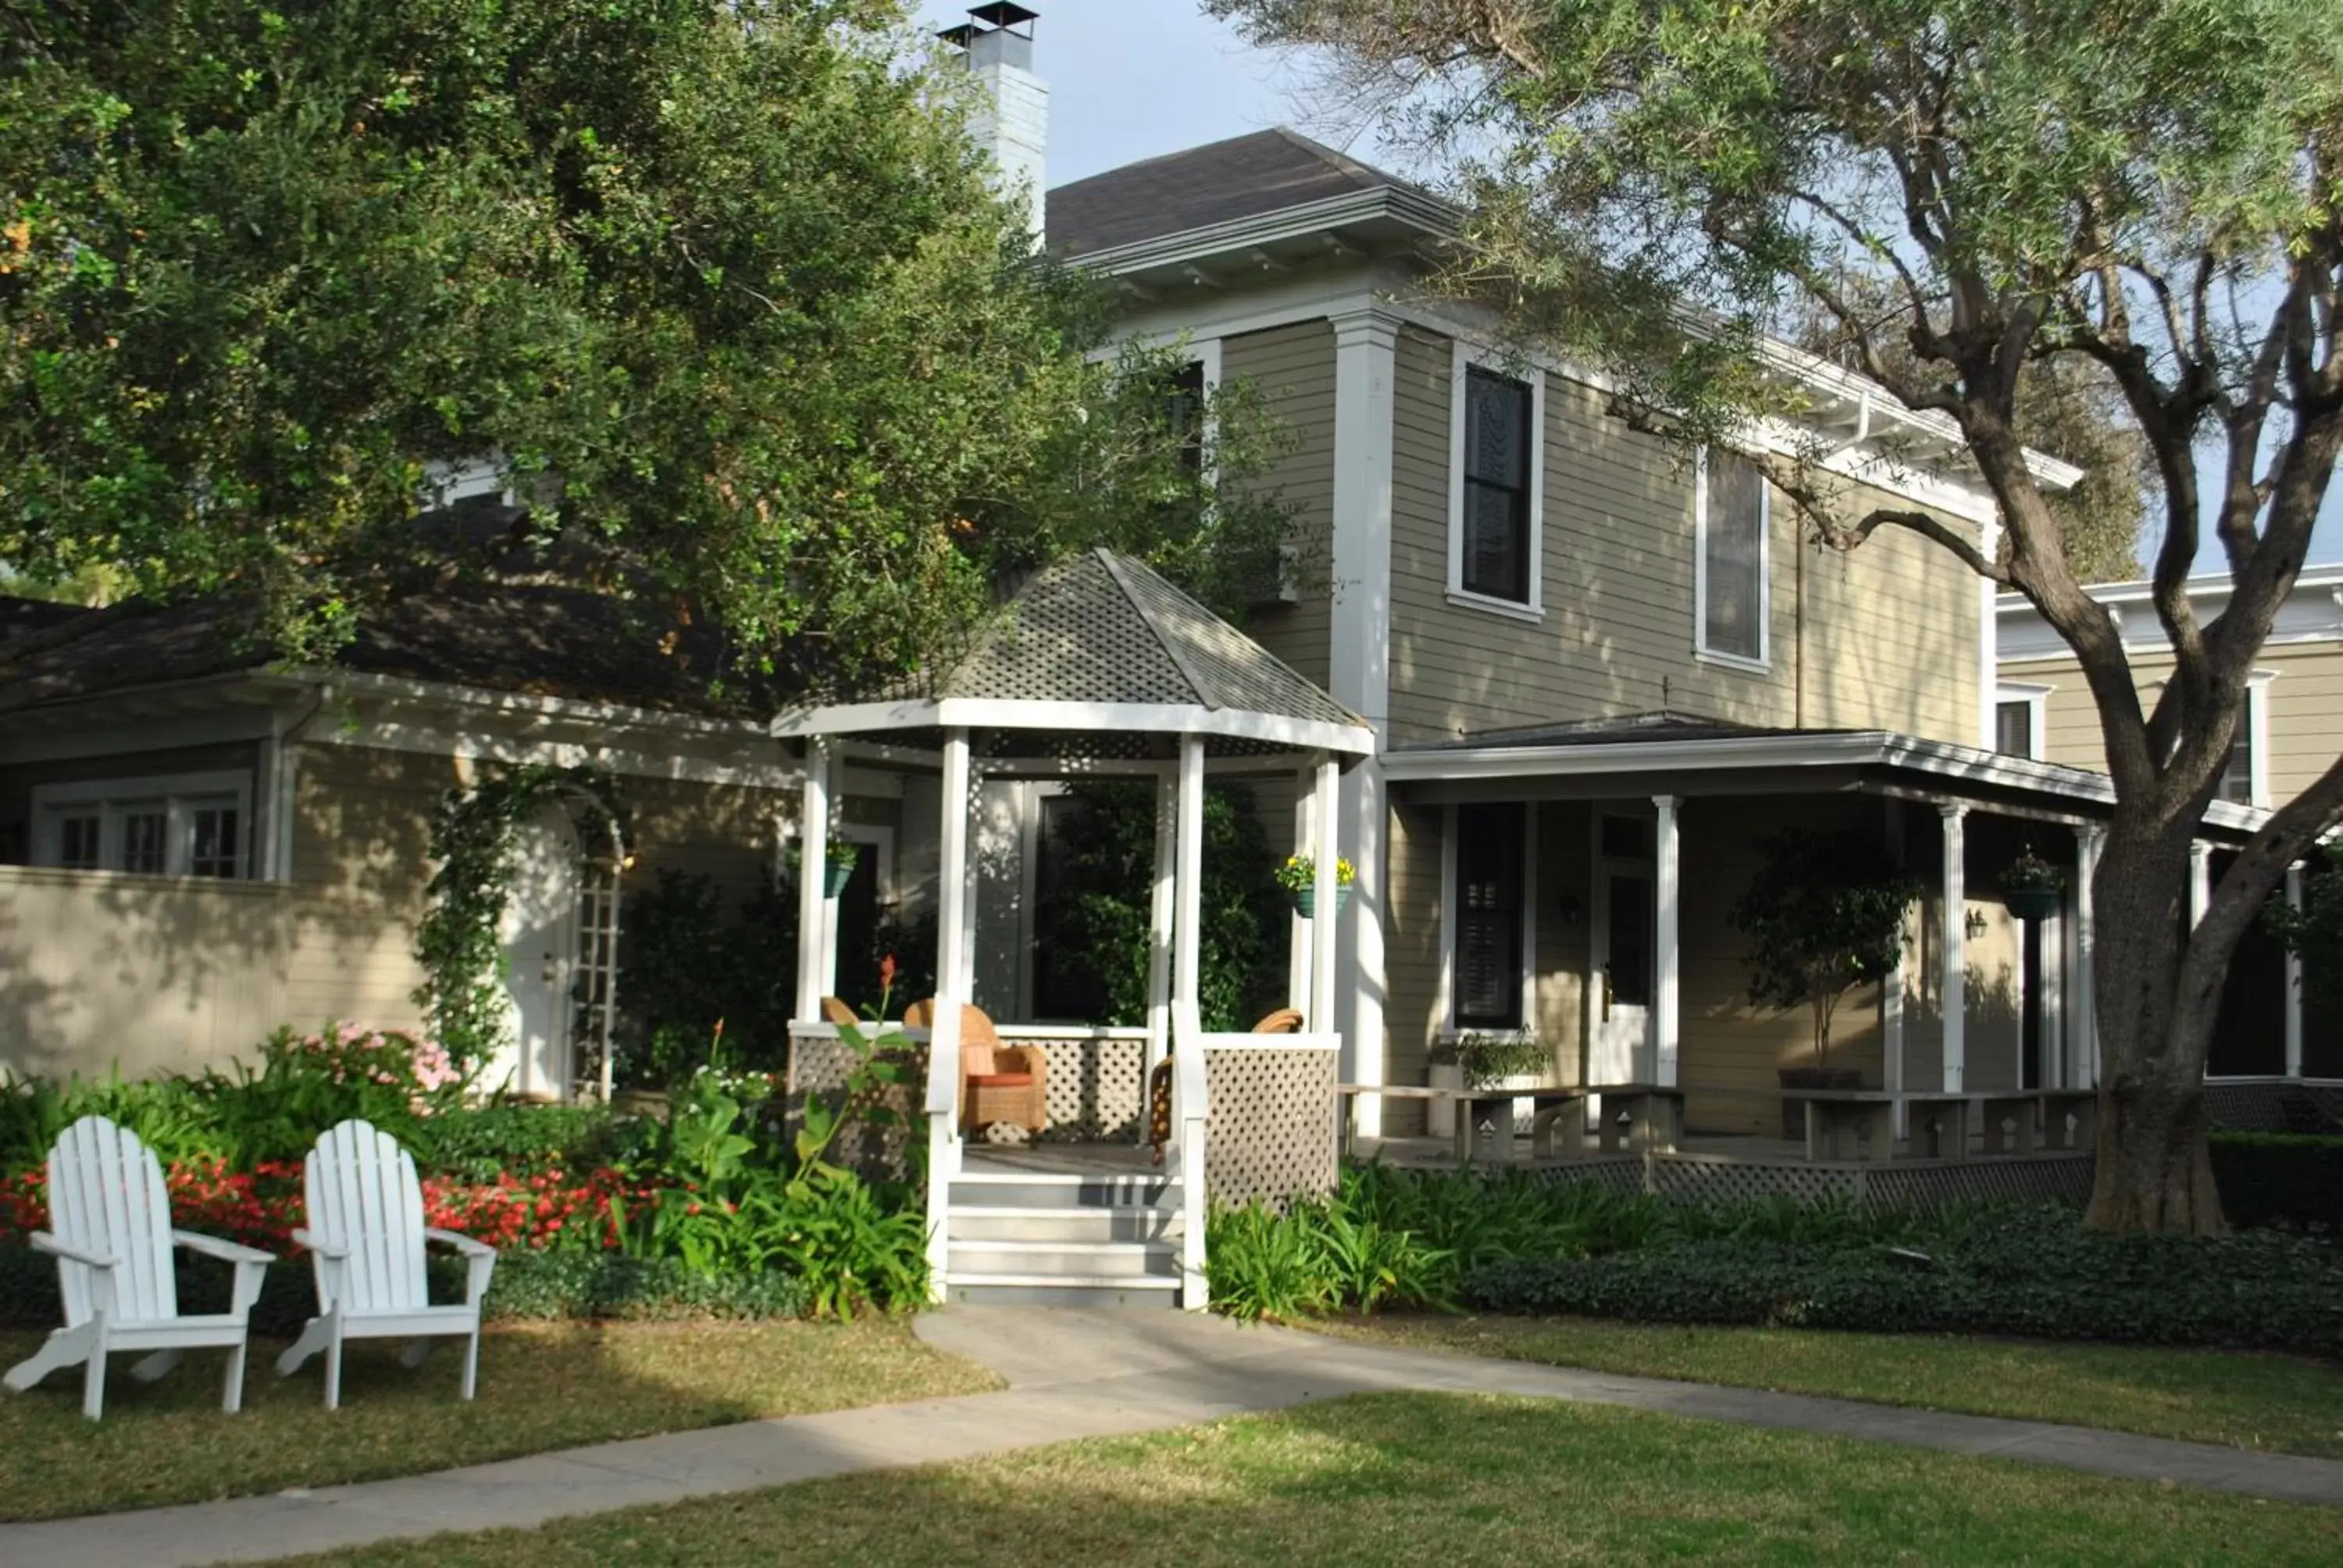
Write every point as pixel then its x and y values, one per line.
pixel 1823 913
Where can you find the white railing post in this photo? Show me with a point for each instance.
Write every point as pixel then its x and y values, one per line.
pixel 1327 852
pixel 1191 1107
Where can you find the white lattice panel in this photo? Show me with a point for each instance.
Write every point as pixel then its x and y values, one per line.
pixel 1095 1087
pixel 1272 1125
pixel 1718 1179
pixel 818 1066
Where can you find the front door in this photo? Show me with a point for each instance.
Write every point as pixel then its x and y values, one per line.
pixel 1619 1027
pixel 539 932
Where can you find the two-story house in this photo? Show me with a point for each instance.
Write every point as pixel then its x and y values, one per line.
pixel 2290 733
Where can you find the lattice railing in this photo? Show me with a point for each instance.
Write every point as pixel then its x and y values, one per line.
pixel 1273 1100
pixel 1095 1080
pixel 1706 1179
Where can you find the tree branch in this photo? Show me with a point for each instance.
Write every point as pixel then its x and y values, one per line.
pixel 1929 526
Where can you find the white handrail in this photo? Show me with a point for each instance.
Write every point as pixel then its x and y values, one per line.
pixel 1191 1102
pixel 944 1149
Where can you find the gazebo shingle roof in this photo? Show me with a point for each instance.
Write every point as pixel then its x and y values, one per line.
pixel 1104 629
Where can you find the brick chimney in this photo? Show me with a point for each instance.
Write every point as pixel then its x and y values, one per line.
pixel 1013 122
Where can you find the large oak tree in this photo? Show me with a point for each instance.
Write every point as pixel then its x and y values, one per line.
pixel 2139 193
pixel 719 287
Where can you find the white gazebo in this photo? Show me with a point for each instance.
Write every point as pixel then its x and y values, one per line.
pixel 1098 667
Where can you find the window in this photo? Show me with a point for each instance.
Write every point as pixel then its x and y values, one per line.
pixel 1496 487
pixel 1730 584
pixel 1183 411
pixel 197 825
pixel 1489 853
pixel 2237 777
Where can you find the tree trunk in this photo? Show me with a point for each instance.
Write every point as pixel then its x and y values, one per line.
pixel 2155 1029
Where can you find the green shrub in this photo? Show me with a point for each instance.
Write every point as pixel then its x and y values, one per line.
pixel 2269 1178
pixel 2034 1271
pixel 479 1142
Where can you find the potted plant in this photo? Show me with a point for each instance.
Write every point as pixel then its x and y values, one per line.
pixel 1824 914
pixel 2032 887
pixel 1299 877
pixel 1508 1058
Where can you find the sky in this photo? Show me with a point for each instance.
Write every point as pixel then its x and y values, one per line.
pixel 1132 79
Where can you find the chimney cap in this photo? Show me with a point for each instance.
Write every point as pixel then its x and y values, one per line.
pixel 958 37
pixel 1004 14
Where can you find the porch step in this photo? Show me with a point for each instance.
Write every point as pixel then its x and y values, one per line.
pixel 1047 1190
pixel 1025 1222
pixel 1120 1261
pixel 1107 1290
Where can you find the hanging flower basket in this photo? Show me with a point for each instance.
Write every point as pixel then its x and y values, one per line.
pixel 835 875
pixel 1305 900
pixel 1299 877
pixel 2032 889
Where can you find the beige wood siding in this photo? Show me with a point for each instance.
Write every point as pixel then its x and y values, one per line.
pixel 1883 637
pixel 2305 709
pixel 1294 368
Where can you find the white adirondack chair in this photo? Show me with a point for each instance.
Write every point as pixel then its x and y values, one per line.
pixel 110 1232
pixel 366 1236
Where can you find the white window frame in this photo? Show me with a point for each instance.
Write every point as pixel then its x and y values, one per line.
pixel 180 793
pixel 1467 357
pixel 2257 738
pixel 2037 721
pixel 1764 663
pixel 1450 1031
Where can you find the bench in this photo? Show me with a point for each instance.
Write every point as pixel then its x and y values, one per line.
pixel 1484 1117
pixel 2021 1122
pixel 1860 1123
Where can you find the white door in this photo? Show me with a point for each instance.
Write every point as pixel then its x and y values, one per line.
pixel 539 932
pixel 1620 1000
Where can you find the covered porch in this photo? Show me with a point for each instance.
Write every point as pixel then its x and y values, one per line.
pixel 1574 887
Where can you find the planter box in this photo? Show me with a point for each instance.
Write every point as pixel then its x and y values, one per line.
pixel 1794 1111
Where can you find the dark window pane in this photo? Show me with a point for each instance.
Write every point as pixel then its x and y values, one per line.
pixel 1496 521
pixel 1734 558
pixel 1066 985
pixel 145 837
pixel 77 843
pixel 217 848
pixel 1489 847
pixel 1183 410
pixel 2014 729
pixel 1627 837
pixel 1631 941
pixel 2237 777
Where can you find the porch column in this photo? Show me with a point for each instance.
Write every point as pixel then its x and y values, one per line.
pixel 1954 986
pixel 1666 1005
pixel 970 876
pixel 1160 910
pixel 952 871
pixel 2084 1072
pixel 1187 950
pixel 945 1085
pixel 1319 1016
pixel 1892 990
pixel 2200 882
pixel 2294 978
pixel 814 960
pixel 1365 403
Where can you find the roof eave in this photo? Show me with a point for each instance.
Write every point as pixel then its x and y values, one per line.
pixel 1407 209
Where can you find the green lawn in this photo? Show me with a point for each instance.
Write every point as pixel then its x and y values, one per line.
pixel 542 1386
pixel 1405 1480
pixel 2260 1401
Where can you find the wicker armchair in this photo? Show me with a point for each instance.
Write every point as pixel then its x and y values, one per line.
pixel 1284 1020
pixel 836 1011
pixel 998 1082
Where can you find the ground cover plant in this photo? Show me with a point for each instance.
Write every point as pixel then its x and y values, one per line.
pixel 543 1386
pixel 1380 1481
pixel 2287 1404
pixel 1507 1243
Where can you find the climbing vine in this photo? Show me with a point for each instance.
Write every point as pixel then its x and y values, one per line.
pixel 458 941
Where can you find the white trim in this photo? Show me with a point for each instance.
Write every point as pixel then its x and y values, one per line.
pixel 1854 749
pixel 1988 662
pixel 1762 664
pixel 1529 896
pixel 1464 358
pixel 991 713
pixel 1953 985
pixel 2258 736
pixel 1443 1006
pixel 2083 1039
pixel 1667 1017
pixel 178 793
pixel 1487 606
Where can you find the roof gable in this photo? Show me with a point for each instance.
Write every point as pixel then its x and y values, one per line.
pixel 1221 182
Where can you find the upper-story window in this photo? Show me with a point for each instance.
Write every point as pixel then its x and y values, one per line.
pixel 2242 779
pixel 2017 715
pixel 1183 410
pixel 1730 583
pixel 194 825
pixel 1495 486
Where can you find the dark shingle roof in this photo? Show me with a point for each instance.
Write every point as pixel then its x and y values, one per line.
pixel 1244 176
pixel 538 639
pixel 1663 725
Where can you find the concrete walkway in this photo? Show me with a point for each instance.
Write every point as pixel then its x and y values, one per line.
pixel 1071 1374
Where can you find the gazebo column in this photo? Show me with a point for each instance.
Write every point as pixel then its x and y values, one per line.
pixel 813 911
pixel 1161 906
pixel 1954 948
pixel 1187 948
pixel 1319 1016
